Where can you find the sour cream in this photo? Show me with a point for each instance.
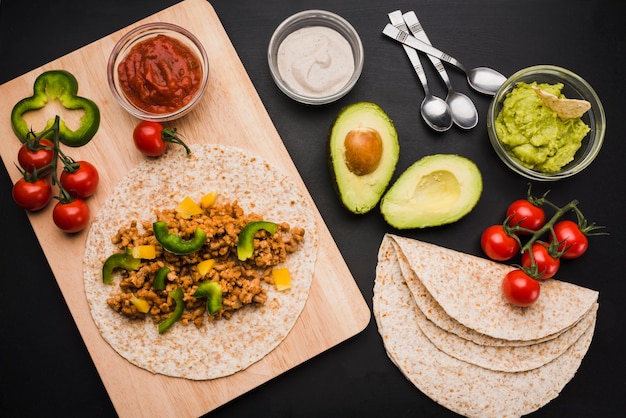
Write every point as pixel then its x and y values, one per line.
pixel 315 61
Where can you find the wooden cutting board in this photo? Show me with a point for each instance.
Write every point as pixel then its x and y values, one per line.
pixel 230 113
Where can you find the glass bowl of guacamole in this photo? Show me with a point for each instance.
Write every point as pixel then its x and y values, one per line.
pixel 530 138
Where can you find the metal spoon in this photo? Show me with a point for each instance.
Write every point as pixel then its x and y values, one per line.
pixel 464 113
pixel 435 111
pixel 482 79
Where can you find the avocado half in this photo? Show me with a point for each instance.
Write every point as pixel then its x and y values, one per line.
pixel 436 190
pixel 364 150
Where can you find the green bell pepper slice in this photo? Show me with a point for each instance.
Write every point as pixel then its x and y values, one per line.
pixel 62 86
pixel 159 278
pixel 176 294
pixel 119 260
pixel 176 244
pixel 213 292
pixel 245 243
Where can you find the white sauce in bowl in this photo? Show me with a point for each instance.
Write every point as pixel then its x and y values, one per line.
pixel 315 61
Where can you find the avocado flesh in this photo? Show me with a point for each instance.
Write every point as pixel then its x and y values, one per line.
pixel 360 193
pixel 436 190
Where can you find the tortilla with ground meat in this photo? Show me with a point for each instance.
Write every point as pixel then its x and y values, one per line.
pixel 465 386
pixel 221 347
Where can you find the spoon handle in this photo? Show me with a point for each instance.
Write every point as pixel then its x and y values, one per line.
pixel 415 27
pixel 397 21
pixel 406 39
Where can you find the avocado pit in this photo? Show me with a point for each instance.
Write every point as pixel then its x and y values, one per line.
pixel 363 150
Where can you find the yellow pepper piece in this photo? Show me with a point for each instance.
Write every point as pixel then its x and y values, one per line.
pixel 146 252
pixel 142 305
pixel 282 279
pixel 187 208
pixel 205 266
pixel 208 200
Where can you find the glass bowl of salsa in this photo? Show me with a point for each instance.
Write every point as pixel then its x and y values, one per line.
pixel 158 71
pixel 531 138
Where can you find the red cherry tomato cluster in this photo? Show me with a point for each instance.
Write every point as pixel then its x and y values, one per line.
pixel 152 139
pixel 38 159
pixel 541 242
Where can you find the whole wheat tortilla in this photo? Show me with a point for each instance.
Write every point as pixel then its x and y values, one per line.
pixel 468 289
pixel 439 318
pixel 462 387
pixel 221 347
pixel 498 357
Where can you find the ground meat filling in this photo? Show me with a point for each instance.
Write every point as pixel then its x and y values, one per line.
pixel 242 282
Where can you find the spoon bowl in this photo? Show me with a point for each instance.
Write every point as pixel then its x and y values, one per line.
pixel 436 113
pixel 485 80
pixel 464 113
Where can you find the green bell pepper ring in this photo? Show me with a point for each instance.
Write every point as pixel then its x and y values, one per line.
pixel 176 294
pixel 159 278
pixel 245 244
pixel 176 244
pixel 62 86
pixel 118 260
pixel 213 292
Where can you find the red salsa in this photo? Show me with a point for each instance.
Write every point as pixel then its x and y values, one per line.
pixel 160 74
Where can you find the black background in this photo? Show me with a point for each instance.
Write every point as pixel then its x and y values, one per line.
pixel 45 369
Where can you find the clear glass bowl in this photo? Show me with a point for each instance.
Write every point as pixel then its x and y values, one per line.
pixel 315 18
pixel 574 88
pixel 139 34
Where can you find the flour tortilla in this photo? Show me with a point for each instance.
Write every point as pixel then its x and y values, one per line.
pixel 222 347
pixel 468 289
pixel 460 386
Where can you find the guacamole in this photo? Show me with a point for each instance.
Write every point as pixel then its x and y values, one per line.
pixel 533 134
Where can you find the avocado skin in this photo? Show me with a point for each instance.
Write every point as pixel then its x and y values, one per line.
pixel 360 194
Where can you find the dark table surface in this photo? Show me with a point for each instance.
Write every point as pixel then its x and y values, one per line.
pixel 45 368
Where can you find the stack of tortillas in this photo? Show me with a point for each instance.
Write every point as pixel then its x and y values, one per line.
pixel 448 328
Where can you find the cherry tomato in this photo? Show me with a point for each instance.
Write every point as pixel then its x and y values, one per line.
pixel 32 195
pixel 30 159
pixel 148 138
pixel 526 215
pixel 571 237
pixel 547 266
pixel 72 216
pixel 497 244
pixel 151 138
pixel 81 182
pixel 519 288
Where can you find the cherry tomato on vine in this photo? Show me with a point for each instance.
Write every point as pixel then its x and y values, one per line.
pixel 71 216
pixel 32 195
pixel 151 138
pixel 571 238
pixel 519 288
pixel 82 181
pixel 30 159
pixel 526 215
pixel 547 266
pixel 497 244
